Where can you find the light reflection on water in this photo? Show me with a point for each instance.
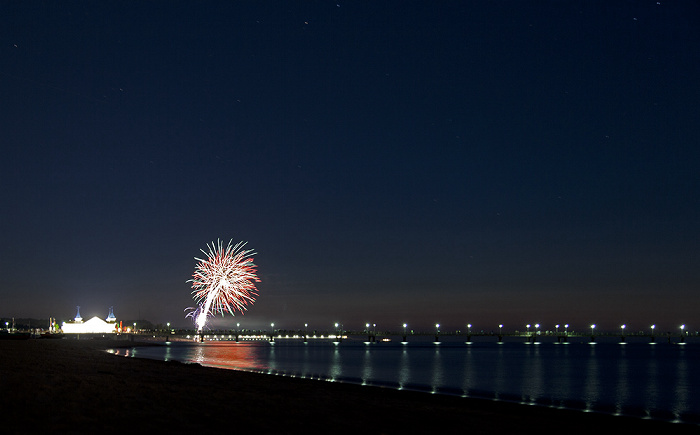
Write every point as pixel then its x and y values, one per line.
pixel 404 368
pixel 592 384
pixel 532 375
pixel 336 368
pixel 652 387
pixel 634 379
pixel 682 386
pixel 367 366
pixel 622 392
pixel 437 380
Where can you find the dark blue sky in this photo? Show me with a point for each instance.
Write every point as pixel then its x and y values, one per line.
pixel 398 161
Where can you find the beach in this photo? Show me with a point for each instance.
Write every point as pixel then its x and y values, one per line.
pixel 74 386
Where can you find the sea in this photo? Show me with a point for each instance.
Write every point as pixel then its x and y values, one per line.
pixel 635 378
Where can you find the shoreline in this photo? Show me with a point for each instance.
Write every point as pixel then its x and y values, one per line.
pixel 72 386
pixel 567 404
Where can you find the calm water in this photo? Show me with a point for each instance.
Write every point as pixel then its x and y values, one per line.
pixel 638 379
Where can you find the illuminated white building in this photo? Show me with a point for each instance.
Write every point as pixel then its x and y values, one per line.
pixel 92 326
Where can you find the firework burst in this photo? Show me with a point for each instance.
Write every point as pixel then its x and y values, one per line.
pixel 224 281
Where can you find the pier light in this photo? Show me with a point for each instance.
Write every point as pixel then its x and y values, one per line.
pixel 500 329
pixel 652 328
pixel 437 327
pixel 622 327
pixel 557 328
pixel 404 328
pixel 469 328
pixel 682 328
pixel 528 328
pixel 168 326
pixel 592 328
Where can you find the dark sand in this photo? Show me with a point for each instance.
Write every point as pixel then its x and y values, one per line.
pixel 71 386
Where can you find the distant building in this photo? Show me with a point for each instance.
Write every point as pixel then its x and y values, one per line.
pixel 92 326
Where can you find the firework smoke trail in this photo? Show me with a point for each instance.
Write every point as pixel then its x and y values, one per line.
pixel 225 280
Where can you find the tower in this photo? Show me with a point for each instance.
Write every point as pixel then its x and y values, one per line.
pixel 77 316
pixel 111 318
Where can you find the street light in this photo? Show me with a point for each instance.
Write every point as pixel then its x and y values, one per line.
pixel 682 333
pixel 469 328
pixel 622 333
pixel 500 329
pixel 566 329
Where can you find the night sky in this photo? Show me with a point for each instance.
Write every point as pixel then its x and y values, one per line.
pixel 457 162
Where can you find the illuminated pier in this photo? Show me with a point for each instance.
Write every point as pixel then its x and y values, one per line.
pixel 371 334
pixel 373 338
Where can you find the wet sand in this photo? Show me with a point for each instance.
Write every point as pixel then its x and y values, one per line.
pixel 73 386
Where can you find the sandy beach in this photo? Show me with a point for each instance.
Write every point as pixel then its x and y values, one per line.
pixel 73 386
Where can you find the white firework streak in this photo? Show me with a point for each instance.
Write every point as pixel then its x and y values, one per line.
pixel 194 312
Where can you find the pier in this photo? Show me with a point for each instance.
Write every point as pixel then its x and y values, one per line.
pixel 376 338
